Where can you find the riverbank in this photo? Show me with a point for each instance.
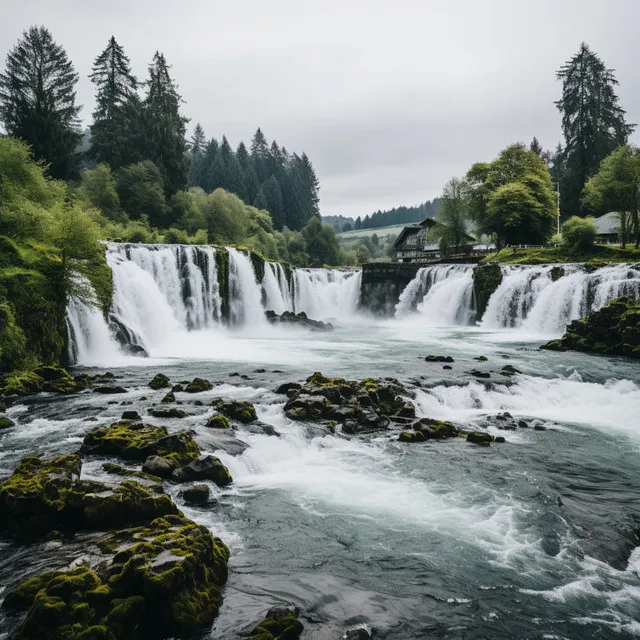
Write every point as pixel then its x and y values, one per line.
pixel 555 255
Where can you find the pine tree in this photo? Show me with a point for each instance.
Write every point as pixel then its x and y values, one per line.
pixel 38 100
pixel 227 172
pixel 116 103
pixel 536 147
pixel 260 155
pixel 250 176
pixel 198 139
pixel 270 198
pixel 167 146
pixel 593 123
pixel 210 153
pixel 197 159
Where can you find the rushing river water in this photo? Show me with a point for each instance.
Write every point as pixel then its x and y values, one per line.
pixel 534 538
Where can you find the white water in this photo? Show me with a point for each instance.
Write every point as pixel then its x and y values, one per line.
pixel 528 298
pixel 245 295
pixel 327 293
pixel 441 294
pixel 278 295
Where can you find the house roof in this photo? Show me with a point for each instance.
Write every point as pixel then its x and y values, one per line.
pixel 409 230
pixel 608 223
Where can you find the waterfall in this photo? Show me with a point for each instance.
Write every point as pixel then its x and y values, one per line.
pixel 277 292
pixel 245 294
pixel 441 294
pixel 530 298
pixel 90 341
pixel 327 293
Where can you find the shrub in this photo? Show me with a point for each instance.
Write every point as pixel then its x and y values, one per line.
pixel 578 233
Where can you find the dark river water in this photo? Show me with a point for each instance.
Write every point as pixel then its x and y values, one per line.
pixel 534 538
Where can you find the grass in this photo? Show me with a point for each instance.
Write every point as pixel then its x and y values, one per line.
pixel 367 233
pixel 603 253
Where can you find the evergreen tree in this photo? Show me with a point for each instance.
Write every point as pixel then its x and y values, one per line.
pixel 167 146
pixel 38 101
pixel 260 155
pixel 115 103
pixel 536 147
pixel 250 176
pixel 593 123
pixel 227 172
pixel 210 153
pixel 198 139
pixel 270 198
pixel 197 159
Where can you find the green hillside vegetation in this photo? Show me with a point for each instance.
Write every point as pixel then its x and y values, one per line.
pixel 597 254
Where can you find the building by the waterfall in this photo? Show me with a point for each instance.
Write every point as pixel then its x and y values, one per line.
pixel 418 243
pixel 608 227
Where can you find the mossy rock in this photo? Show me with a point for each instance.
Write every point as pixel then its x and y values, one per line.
pixel 486 279
pixel 479 437
pixel 6 423
pixel 239 410
pixel 138 442
pixel 198 385
pixel 160 381
pixel 168 412
pixel 169 398
pixel 164 579
pixel 435 429
pixel 204 468
pixel 408 436
pixel 23 383
pixel 119 470
pixel 218 422
pixel 434 358
pixel 280 623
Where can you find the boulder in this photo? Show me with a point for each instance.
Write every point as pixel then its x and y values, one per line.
pixel 280 623
pixel 160 381
pixel 167 412
pixel 198 494
pixel 408 436
pixel 300 319
pixel 159 466
pixel 435 429
pixel 6 423
pixel 169 398
pixel 359 633
pixel 481 358
pixel 287 387
pixel 432 358
pixel 509 370
pixel 218 422
pixel 197 385
pixel 480 374
pixel 479 437
pixel 109 389
pixel 131 415
pixel 239 410
pixel 203 468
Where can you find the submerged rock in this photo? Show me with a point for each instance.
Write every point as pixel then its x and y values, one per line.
pixel 160 580
pixel 138 442
pixel 6 423
pixel 280 623
pixel 204 468
pixel 299 319
pixel 432 358
pixel 613 330
pixel 164 412
pixel 160 381
pixel 239 410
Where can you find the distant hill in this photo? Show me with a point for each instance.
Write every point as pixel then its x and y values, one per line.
pixel 396 216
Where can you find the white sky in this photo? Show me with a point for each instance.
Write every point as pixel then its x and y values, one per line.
pixel 388 99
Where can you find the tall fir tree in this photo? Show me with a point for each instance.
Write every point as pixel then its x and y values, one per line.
pixel 260 155
pixel 270 198
pixel 210 153
pixel 250 176
pixel 593 123
pixel 197 158
pixel 38 101
pixel 116 105
pixel 165 126
pixel 227 172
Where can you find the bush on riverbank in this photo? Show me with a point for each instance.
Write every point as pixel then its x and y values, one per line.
pixel 598 252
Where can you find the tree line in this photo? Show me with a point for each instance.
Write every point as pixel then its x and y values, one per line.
pixel 138 133
pixel 514 198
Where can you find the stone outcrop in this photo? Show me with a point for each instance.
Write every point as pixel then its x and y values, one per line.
pixel 613 330
pixel 299 319
pixel 486 279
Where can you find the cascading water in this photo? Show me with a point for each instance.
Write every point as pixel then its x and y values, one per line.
pixel 326 293
pixel 245 295
pixel 544 299
pixel 277 292
pixel 441 294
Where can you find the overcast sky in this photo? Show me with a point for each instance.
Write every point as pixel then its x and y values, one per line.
pixel 388 98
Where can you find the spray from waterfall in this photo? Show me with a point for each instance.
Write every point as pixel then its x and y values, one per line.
pixel 327 293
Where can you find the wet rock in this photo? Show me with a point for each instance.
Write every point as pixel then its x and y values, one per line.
pixel 523 424
pixel 432 358
pixel 218 422
pixel 131 415
pixel 161 580
pixel 447 366
pixel 478 437
pixel 204 468
pixel 167 412
pixel 480 374
pixel 280 622
pixel 287 387
pixel 107 390
pixel 360 633
pixel 539 427
pixel 481 358
pixel 509 370
pixel 148 480
pixel 160 381
pixel 239 410
pixel 300 319
pixel 499 439
pixel 408 436
pixel 177 387
pixel 556 273
pixel 197 385
pixel 6 423
pixel 486 279
pixel 613 330
pixel 138 442
pixel 259 371
pixel 169 398
pixel 198 494
pixel 435 429
pixel 159 466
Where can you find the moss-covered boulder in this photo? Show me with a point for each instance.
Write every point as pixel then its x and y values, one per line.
pixel 198 385
pixel 6 423
pixel 44 495
pixel 408 436
pixel 160 381
pixel 280 623
pixel 434 358
pixel 169 398
pixel 161 580
pixel 486 279
pixel 435 429
pixel 138 442
pixel 168 412
pixel 204 468
pixel 613 330
pixel 239 410
pixel 218 422
pixel 364 404
pixel 481 438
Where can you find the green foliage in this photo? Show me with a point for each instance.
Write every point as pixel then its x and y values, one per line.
pixel 599 253
pixel 512 197
pixel 579 233
pixel 616 187
pixel 141 191
pixel 593 123
pixel 37 100
pixel 453 215
pixel 322 244
pixel 99 188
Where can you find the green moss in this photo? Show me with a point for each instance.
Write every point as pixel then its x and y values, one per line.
pixel 222 262
pixel 5 423
pixel 258 265
pixel 138 442
pixel 101 277
pixel 239 410
pixel 218 422
pixel 486 279
pixel 116 469
pixel 597 253
pixel 279 624
pixel 13 348
pixel 160 381
pixel 198 385
pixel 22 383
